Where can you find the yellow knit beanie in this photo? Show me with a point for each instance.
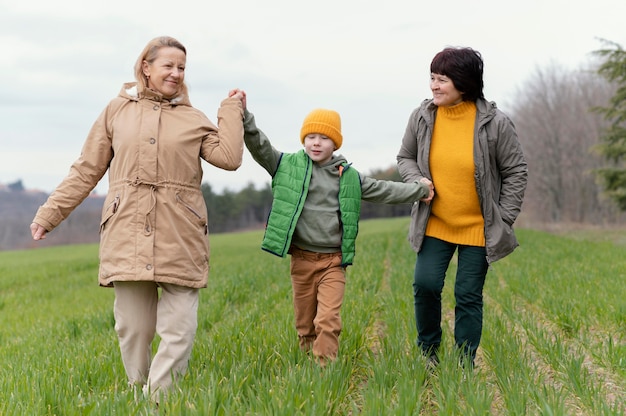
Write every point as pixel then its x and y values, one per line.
pixel 326 122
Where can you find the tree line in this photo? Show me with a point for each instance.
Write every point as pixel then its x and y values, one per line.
pixel 250 207
pixel 571 124
pixel 228 211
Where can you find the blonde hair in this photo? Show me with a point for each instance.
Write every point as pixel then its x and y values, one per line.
pixel 149 54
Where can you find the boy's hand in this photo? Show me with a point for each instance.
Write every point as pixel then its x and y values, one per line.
pixel 239 94
pixel 431 188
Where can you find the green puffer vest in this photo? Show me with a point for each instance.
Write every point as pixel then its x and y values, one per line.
pixel 290 186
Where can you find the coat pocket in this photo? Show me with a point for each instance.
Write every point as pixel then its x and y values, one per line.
pixel 191 212
pixel 109 209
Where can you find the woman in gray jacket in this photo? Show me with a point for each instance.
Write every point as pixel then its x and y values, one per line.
pixel 470 151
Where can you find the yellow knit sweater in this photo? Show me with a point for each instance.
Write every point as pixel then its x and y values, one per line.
pixel 456 215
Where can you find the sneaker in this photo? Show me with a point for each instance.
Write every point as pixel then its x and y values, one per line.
pixel 432 362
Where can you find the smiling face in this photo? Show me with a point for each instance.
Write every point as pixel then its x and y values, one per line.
pixel 320 148
pixel 167 72
pixel 444 92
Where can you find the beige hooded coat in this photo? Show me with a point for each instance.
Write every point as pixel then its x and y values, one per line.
pixel 154 219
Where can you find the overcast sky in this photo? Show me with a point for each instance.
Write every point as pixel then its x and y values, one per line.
pixel 62 61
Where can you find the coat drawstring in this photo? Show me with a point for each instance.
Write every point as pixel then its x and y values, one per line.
pixel 147 225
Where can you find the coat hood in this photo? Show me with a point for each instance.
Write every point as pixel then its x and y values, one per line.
pixel 133 91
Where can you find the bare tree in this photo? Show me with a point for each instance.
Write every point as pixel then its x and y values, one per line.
pixel 558 129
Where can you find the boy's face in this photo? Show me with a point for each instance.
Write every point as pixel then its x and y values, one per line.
pixel 319 147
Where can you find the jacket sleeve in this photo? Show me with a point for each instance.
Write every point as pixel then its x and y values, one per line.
pixel 223 147
pixel 84 175
pixel 259 145
pixel 408 153
pixel 391 192
pixel 513 171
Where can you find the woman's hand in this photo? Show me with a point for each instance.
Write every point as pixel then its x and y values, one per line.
pixel 37 231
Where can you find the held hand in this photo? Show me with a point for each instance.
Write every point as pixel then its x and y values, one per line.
pixel 239 94
pixel 37 231
pixel 431 193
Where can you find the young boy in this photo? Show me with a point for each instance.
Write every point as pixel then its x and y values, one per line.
pixel 315 218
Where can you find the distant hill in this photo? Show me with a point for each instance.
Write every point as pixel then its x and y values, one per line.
pixel 18 207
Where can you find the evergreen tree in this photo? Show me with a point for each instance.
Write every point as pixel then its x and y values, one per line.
pixel 613 142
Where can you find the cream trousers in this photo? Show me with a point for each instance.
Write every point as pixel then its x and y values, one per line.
pixel 140 314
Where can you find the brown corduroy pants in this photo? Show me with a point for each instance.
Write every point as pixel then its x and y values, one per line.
pixel 318 282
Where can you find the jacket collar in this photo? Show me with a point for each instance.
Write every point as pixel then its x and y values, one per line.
pixel 485 110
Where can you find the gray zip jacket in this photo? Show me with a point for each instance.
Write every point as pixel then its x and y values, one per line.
pixel 500 174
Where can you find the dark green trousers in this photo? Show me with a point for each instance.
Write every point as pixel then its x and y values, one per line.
pixel 430 272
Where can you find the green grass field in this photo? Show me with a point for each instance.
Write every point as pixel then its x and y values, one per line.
pixel 554 339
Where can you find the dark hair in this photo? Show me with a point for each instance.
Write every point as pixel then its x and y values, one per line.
pixel 464 66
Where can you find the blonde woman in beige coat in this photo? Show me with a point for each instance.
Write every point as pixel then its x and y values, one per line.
pixel 154 248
